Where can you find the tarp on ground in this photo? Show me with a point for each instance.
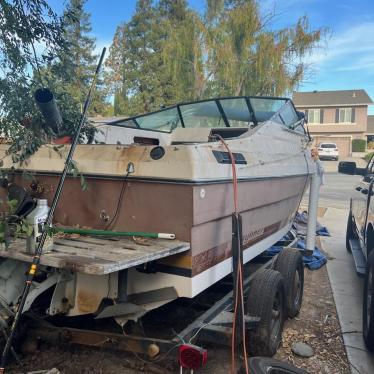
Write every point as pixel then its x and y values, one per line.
pixel 318 259
pixel 314 262
pixel 300 224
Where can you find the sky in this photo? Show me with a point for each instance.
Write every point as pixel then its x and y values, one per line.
pixel 345 59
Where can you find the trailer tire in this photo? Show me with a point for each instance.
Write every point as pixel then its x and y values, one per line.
pixel 350 233
pixel 290 264
pixel 266 365
pixel 368 305
pixel 266 299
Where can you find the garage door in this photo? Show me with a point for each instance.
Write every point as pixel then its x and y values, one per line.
pixel 343 143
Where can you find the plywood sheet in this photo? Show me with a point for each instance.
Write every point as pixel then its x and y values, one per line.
pixel 98 255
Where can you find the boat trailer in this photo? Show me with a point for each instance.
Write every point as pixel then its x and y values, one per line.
pixel 214 325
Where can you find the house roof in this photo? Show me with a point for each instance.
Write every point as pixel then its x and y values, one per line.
pixel 331 98
pixel 370 124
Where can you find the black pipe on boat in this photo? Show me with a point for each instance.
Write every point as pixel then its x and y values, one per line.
pixel 47 104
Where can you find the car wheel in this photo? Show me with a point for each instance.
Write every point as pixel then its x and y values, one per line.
pixel 266 299
pixel 368 305
pixel 350 232
pixel 265 365
pixel 290 264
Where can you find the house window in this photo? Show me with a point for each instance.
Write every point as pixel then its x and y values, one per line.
pixel 314 116
pixel 345 115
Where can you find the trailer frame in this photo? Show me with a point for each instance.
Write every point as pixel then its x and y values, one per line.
pixel 212 326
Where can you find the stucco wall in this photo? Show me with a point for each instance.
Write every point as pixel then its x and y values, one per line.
pixel 357 129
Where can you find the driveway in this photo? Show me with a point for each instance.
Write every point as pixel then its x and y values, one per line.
pixel 347 290
pixel 330 166
pixel 336 190
pixel 346 286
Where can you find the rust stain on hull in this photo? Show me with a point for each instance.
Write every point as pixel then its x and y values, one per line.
pixel 214 256
pixel 87 302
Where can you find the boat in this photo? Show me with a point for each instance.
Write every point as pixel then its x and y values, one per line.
pixel 170 171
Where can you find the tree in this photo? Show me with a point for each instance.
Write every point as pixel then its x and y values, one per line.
pixel 76 66
pixel 153 57
pixel 168 53
pixel 247 57
pixel 115 73
pixel 22 24
pixel 133 62
pixel 121 103
pixel 182 57
pixel 142 59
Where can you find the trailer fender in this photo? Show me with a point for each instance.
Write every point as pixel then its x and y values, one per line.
pixel 12 282
pixel 39 288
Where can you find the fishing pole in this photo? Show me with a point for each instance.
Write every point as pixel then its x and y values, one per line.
pixel 39 249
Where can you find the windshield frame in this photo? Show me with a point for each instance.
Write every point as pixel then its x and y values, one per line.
pixel 120 123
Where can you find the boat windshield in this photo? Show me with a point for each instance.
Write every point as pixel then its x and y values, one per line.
pixel 223 112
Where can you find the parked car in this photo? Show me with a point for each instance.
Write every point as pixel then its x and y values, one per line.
pixel 328 151
pixel 360 239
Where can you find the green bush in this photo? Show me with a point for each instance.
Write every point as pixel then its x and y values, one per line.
pixel 358 145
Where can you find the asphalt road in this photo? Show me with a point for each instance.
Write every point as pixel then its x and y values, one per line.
pixel 337 189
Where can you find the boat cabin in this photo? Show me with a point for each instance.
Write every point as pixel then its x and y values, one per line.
pixel 194 122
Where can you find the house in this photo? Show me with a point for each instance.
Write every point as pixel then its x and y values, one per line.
pixel 335 116
pixel 370 130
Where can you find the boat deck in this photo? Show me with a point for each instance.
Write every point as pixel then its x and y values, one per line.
pixel 98 255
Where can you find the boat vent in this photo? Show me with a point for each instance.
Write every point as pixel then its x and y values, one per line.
pixel 224 157
pixel 146 141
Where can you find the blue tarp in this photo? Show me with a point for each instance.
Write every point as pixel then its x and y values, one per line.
pixel 311 262
pixel 300 225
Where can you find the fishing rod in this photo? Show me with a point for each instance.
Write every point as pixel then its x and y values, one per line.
pixel 39 249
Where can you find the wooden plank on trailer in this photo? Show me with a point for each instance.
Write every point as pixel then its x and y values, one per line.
pixel 98 256
pixel 116 246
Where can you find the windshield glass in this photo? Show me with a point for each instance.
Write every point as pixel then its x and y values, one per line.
pixel 216 113
pixel 165 120
pixel 264 109
pixel 328 145
pixel 237 112
pixel 204 114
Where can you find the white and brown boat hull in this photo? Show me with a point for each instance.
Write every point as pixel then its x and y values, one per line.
pixel 187 192
pixel 199 213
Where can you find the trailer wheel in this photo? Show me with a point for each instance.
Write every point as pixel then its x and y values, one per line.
pixel 266 299
pixel 19 336
pixel 266 365
pixel 290 264
pixel 350 233
pixel 368 305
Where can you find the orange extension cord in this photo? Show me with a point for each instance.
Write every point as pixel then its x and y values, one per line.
pixel 239 280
